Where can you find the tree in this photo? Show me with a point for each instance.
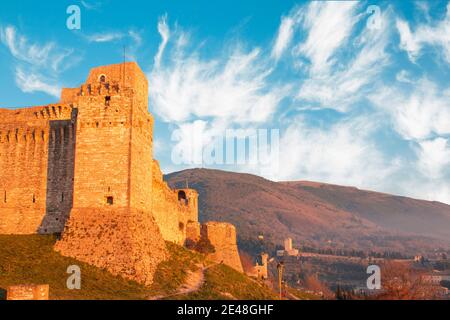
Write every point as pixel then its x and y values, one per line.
pixel 204 246
pixel 313 283
pixel 401 282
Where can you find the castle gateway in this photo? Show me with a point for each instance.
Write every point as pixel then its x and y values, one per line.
pixel 84 167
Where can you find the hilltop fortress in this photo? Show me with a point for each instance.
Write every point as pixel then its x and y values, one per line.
pixel 83 167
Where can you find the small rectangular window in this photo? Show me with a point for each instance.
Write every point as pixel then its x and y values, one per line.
pixel 107 101
pixel 110 200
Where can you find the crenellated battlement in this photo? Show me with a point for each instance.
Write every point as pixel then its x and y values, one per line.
pixel 100 89
pixel 29 115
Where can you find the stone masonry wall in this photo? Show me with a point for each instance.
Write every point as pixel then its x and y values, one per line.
pixel 222 236
pixel 124 242
pixel 28 292
pixel 171 214
pixel 36 153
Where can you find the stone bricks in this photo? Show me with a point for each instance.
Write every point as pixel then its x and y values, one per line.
pixel 36 172
pixel 173 212
pixel 27 292
pixel 192 232
pixel 126 242
pixel 222 236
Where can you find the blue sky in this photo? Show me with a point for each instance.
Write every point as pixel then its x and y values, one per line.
pixel 360 95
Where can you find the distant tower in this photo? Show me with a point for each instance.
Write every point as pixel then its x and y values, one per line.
pixel 189 198
pixel 288 244
pixel 261 270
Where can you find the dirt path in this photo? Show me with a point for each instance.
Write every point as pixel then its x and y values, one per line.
pixel 194 281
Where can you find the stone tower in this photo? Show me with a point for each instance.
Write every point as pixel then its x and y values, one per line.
pixel 189 198
pixel 111 223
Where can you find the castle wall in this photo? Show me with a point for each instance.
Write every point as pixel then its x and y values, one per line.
pixel 124 241
pixel 30 139
pixel 28 292
pixel 172 215
pixel 60 175
pixel 141 149
pixel 222 236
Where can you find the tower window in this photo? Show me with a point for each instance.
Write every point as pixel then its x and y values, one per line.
pixel 110 200
pixel 182 197
pixel 107 101
pixel 102 78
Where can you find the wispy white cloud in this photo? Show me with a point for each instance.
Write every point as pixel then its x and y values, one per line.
pixel 424 8
pixel 135 37
pixel 234 87
pixel 404 76
pixel 46 55
pixel 35 82
pixel 328 25
pixel 434 157
pixel 342 153
pixel 436 35
pixel 284 37
pixel 418 112
pixel 105 37
pixel 132 39
pixel 429 175
pixel 91 5
pixel 37 66
pixel 112 36
pixel 164 32
pixel 348 81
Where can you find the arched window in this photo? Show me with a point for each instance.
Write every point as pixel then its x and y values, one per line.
pixel 182 197
pixel 102 78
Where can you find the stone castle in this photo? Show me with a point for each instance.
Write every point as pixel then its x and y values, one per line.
pixel 83 167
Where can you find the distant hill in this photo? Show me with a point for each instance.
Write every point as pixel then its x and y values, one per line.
pixel 316 214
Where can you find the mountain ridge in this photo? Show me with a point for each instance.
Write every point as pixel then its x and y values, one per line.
pixel 317 214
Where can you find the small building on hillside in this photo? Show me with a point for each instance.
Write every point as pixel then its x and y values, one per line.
pixel 288 249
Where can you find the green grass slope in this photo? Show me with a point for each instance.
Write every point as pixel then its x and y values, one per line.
pixel 225 283
pixel 31 259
